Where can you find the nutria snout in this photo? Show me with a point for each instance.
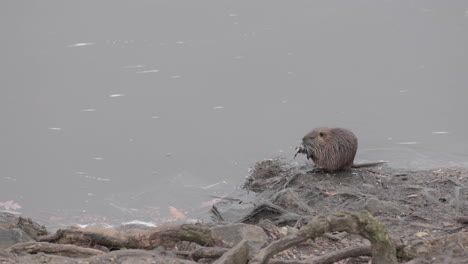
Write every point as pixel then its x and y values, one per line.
pixel 331 149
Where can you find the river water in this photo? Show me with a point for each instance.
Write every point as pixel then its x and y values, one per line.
pixel 147 110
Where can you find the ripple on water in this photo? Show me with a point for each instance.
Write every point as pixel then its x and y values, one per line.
pixel 83 44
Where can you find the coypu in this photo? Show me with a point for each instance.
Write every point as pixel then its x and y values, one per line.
pixel 331 149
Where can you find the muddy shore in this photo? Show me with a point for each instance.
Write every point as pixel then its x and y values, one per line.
pixel 423 214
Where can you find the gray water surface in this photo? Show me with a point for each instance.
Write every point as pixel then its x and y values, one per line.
pixel 132 110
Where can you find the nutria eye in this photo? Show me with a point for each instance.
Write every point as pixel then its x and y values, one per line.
pixel 322 134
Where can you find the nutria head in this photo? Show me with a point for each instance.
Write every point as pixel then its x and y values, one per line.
pixel 318 137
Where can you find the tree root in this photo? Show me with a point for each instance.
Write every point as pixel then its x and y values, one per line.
pixel 168 237
pixel 461 219
pixel 203 252
pixel 361 223
pixel 331 257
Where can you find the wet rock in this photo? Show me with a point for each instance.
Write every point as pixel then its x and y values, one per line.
pixel 233 212
pixel 231 234
pixel 378 207
pixel 33 229
pixel 290 199
pixel 7 219
pixel 9 237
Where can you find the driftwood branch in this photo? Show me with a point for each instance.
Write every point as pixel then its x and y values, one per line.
pixel 361 223
pixel 166 236
pixel 54 249
pixel 93 237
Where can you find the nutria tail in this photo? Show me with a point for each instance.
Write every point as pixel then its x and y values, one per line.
pixel 367 164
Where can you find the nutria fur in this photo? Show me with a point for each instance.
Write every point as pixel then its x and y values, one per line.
pixel 331 149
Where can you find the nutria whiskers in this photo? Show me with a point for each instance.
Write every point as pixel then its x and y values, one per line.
pixel 331 149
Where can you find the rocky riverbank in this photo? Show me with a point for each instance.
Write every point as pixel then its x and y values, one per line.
pixel 298 216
